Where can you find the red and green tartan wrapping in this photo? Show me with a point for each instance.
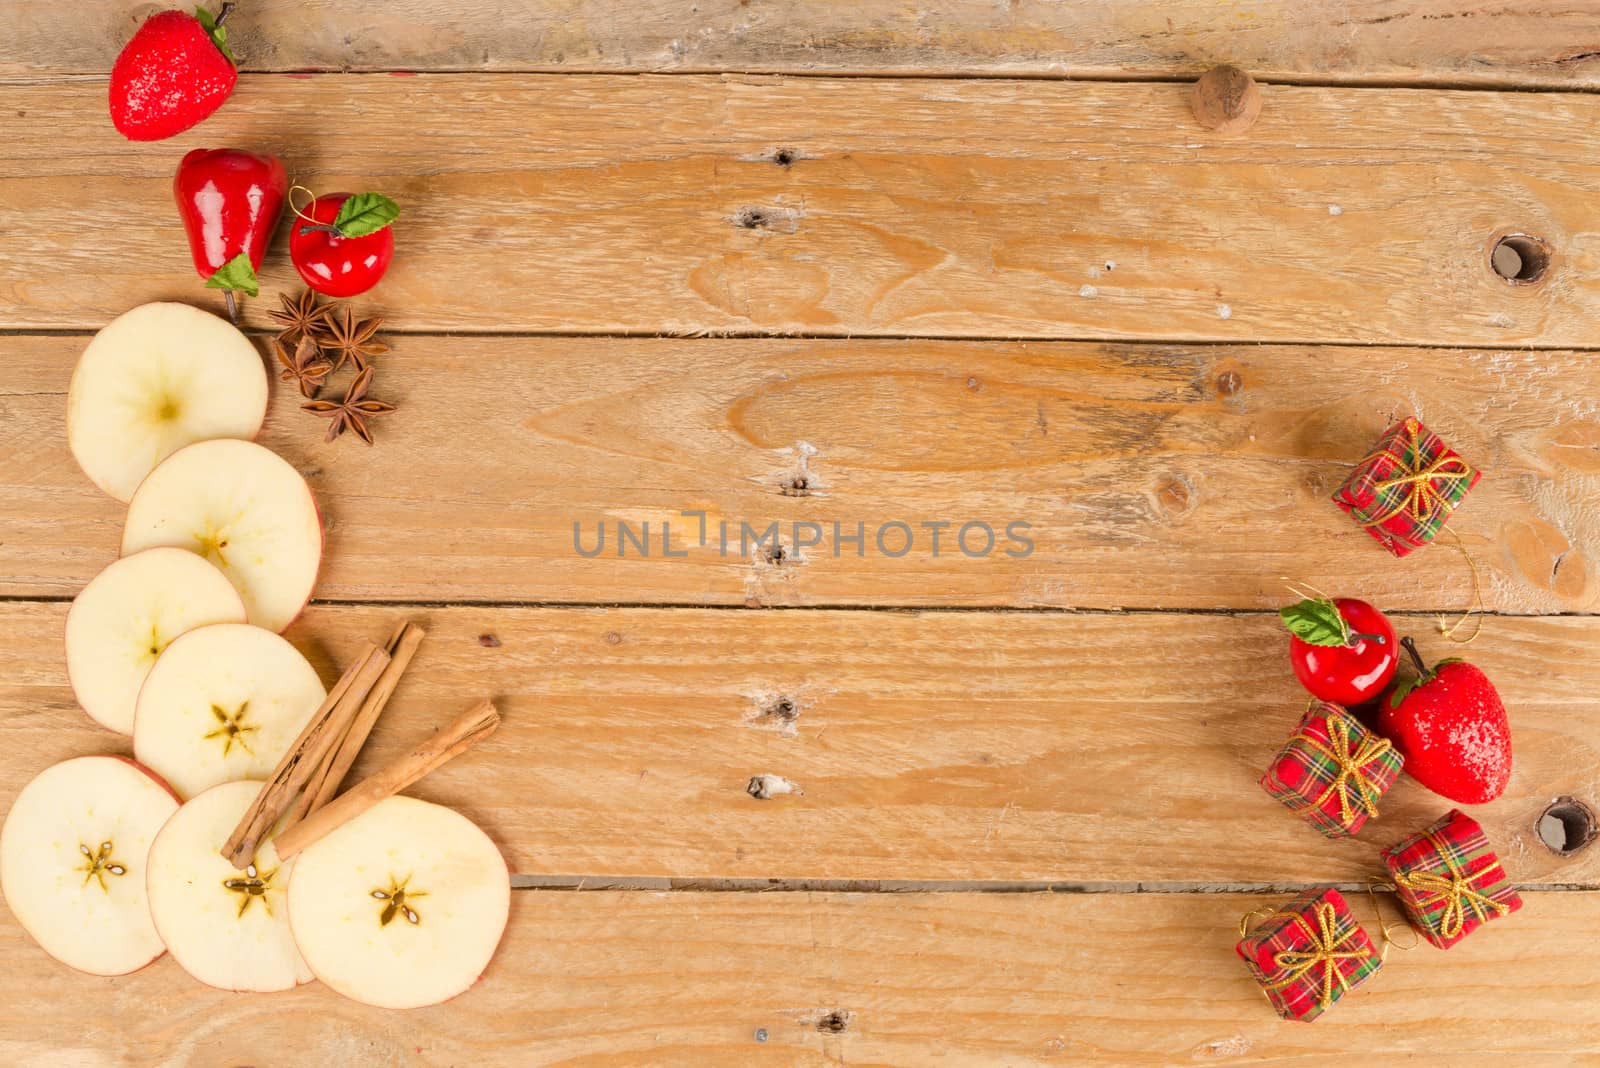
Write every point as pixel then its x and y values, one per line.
pixel 1309 954
pixel 1449 881
pixel 1333 771
pixel 1406 488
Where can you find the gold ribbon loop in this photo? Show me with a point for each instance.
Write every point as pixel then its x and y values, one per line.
pixel 1327 950
pixel 1455 890
pixel 1422 500
pixel 1350 783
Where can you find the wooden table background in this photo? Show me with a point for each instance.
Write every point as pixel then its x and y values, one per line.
pixel 870 261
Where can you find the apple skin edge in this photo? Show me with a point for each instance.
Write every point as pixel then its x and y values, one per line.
pixel 322 540
pixel 159 781
pixel 167 787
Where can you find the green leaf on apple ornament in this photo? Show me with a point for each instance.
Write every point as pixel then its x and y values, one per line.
pixel 365 213
pixel 1316 621
pixel 238 274
pixel 216 31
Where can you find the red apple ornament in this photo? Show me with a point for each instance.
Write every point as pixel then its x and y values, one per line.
pixel 342 243
pixel 1342 650
pixel 230 202
pixel 1451 726
pixel 175 71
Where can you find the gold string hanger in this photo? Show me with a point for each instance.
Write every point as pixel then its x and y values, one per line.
pixel 1474 609
pixel 1385 928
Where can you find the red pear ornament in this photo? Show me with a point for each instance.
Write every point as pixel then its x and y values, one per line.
pixel 230 202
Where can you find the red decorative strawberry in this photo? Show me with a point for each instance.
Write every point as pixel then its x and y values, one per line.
pixel 175 72
pixel 1451 727
pixel 1341 650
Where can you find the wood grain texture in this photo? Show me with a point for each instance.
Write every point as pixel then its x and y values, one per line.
pixel 1152 477
pixel 1492 42
pixel 912 207
pixel 969 980
pixel 983 746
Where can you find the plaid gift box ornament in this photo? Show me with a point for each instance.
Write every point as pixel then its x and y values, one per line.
pixel 1449 881
pixel 1333 771
pixel 1308 954
pixel 1406 487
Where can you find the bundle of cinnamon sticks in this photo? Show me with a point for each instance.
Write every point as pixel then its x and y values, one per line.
pixel 303 792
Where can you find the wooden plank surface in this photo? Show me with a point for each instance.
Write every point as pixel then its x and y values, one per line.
pixel 1152 477
pixel 1494 42
pixel 912 207
pixel 928 979
pixel 986 746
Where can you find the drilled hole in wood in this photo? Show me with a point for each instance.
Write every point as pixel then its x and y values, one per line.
pixel 775 555
pixel 1566 826
pixel 783 708
pixel 1520 258
pixel 797 486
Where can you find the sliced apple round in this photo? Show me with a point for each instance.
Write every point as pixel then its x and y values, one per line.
pixel 227 927
pixel 244 509
pixel 72 862
pixel 224 702
pixel 401 907
pixel 126 616
pixel 155 379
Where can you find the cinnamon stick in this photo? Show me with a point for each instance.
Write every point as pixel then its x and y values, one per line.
pixel 309 750
pixel 465 731
pixel 328 777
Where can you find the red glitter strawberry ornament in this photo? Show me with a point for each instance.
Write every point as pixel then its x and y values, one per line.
pixel 1451 726
pixel 175 71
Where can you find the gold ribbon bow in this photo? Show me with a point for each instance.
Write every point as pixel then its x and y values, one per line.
pixel 1455 890
pixel 1421 499
pixel 1326 951
pixel 1351 762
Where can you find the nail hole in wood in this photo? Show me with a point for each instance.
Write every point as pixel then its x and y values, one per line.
pixel 488 641
pixel 797 486
pixel 783 709
pixel 1566 826
pixel 784 157
pixel 834 1023
pixel 1520 259
pixel 775 555
pixel 752 219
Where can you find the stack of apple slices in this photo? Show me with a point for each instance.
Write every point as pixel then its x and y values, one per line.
pixel 108 861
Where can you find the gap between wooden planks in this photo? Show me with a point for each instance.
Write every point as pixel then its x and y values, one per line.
pixel 596 204
pixel 1521 43
pixel 910 980
pixel 940 746
pixel 1152 476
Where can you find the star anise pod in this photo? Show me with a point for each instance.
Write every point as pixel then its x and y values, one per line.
pixel 300 316
pixel 304 366
pixel 352 411
pixel 350 341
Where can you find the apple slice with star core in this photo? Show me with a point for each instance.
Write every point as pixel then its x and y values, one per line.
pixel 72 862
pixel 224 702
pixel 243 508
pixel 153 380
pixel 227 927
pixel 126 616
pixel 401 907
